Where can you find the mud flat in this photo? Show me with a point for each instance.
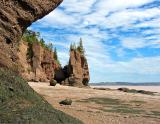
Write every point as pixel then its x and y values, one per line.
pixel 103 106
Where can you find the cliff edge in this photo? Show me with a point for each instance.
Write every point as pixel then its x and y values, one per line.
pixel 15 17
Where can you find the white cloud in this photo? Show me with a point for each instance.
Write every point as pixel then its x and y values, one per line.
pixel 58 18
pixel 114 5
pixel 125 18
pixel 133 43
pixel 143 65
pixel 154 23
pixel 78 6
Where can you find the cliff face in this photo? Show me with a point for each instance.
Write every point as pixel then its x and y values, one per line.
pixel 15 17
pixel 36 63
pixel 77 71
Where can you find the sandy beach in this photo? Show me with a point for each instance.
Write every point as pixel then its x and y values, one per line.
pixel 146 88
pixel 102 106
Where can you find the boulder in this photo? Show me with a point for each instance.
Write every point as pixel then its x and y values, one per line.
pixel 66 102
pixel 123 89
pixel 53 82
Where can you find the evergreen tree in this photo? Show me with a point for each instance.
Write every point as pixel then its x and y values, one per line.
pixel 55 54
pixel 71 47
pixel 37 34
pixel 80 47
pixel 74 46
pixel 42 42
pixel 50 46
pixel 30 36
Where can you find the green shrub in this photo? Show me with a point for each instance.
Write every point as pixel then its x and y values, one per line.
pixel 31 37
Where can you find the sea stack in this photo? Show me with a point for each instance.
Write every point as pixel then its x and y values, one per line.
pixel 77 71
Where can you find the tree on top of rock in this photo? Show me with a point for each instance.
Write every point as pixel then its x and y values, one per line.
pixel 49 46
pixel 80 47
pixel 42 42
pixel 30 36
pixel 55 54
pixel 73 47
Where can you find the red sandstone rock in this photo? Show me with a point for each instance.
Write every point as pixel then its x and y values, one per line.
pixel 41 67
pixel 77 70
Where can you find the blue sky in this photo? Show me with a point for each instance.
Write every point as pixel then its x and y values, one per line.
pixel 121 37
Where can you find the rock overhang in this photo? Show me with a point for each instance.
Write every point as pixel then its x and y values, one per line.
pixel 15 17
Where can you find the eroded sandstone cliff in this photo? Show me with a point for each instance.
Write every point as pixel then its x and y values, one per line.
pixel 36 63
pixel 15 17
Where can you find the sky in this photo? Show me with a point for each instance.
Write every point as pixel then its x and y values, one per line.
pixel 121 37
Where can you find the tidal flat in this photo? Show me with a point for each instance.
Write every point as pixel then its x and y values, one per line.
pixel 110 106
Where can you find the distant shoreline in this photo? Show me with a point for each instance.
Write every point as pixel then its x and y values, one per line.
pixel 125 84
pixel 152 88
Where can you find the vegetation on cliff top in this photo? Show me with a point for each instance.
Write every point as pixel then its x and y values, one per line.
pixel 20 104
pixel 55 56
pixel 31 37
pixel 78 47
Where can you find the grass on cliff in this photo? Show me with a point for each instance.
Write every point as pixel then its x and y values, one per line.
pixel 19 104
